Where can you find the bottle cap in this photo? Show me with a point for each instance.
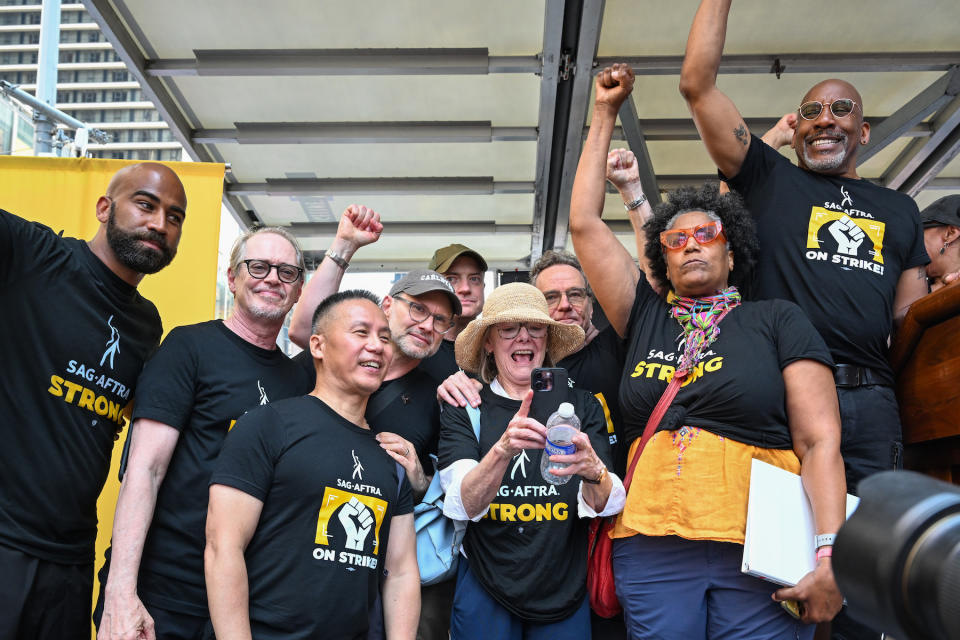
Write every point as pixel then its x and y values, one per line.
pixel 565 409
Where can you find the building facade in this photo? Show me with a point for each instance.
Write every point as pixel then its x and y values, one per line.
pixel 93 84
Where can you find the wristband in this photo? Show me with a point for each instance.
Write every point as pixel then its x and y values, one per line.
pixel 338 259
pixel 825 552
pixel 603 473
pixel 633 204
pixel 824 540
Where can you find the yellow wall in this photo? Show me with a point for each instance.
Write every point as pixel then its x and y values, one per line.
pixel 62 193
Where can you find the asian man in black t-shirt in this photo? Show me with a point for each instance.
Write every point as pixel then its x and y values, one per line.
pixel 78 335
pixel 310 520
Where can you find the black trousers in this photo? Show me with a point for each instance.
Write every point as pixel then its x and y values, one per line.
pixel 41 600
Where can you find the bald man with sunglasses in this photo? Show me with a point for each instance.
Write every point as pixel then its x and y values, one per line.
pixel 849 252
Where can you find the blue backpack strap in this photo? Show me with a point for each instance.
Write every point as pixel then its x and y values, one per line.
pixel 474 413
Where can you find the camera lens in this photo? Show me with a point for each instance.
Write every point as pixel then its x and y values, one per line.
pixel 897 560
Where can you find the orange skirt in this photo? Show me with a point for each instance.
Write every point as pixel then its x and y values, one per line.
pixel 694 484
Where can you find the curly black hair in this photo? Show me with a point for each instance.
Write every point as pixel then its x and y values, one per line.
pixel 737 226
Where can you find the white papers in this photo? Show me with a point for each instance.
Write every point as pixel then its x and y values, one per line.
pixel 779 543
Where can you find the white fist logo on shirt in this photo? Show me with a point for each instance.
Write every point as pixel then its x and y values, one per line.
pixel 848 235
pixel 356 530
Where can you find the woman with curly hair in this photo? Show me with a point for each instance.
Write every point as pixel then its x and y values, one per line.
pixel 752 380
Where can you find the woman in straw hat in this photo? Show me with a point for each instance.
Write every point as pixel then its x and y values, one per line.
pixel 752 380
pixel 524 574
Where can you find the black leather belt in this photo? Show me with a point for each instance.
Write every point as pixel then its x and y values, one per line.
pixel 848 375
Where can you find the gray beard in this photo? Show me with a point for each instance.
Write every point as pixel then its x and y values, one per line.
pixel 826 164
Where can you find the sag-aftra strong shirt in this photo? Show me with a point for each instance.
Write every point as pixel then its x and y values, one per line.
pixel 73 341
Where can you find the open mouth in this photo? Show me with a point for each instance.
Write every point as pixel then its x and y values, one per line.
pixel 523 355
pixel 826 141
pixel 370 364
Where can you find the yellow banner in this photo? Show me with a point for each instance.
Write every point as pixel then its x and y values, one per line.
pixel 62 194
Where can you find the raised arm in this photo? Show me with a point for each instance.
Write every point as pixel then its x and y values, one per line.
pixel 232 518
pixel 359 226
pixel 401 587
pixel 623 172
pixel 814 416
pixel 151 447
pixel 608 265
pixel 721 127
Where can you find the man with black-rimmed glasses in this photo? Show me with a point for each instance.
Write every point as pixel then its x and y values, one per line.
pixel 202 379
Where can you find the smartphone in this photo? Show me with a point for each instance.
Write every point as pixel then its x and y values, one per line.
pixel 550 389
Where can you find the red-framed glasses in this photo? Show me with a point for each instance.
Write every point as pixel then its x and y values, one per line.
pixel 676 239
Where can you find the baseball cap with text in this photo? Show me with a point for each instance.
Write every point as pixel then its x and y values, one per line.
pixel 421 281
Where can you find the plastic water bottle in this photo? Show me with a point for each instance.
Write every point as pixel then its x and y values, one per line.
pixel 562 425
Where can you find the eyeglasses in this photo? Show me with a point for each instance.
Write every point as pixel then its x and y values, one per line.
pixel 260 269
pixel 510 330
pixel 840 108
pixel 575 296
pixel 419 313
pixel 676 239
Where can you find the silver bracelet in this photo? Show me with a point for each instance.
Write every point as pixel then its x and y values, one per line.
pixel 338 259
pixel 630 206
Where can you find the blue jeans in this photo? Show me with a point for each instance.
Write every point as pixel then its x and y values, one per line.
pixel 677 589
pixel 477 616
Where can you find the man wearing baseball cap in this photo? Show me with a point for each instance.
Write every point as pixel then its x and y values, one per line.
pixel 421 308
pixel 464 269
pixel 941 236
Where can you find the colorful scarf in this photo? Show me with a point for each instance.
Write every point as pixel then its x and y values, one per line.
pixel 700 319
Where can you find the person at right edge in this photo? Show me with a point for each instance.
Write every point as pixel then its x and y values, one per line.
pixel 849 252
pixel 756 383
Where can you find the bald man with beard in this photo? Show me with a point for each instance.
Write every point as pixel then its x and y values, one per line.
pixel 76 334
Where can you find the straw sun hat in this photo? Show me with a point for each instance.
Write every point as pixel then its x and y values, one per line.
pixel 515 302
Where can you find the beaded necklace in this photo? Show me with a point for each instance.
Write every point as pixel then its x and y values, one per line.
pixel 700 319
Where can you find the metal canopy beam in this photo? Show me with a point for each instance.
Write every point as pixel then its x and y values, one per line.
pixel 919 150
pixel 657 129
pixel 822 63
pixel 933 165
pixel 456 229
pixel 154 90
pixel 922 105
pixel 379 186
pixel 591 21
pixel 360 263
pixel 362 132
pixel 553 30
pixel 638 144
pixel 341 62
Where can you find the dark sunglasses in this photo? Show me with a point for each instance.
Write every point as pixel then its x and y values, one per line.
pixel 840 108
pixel 676 239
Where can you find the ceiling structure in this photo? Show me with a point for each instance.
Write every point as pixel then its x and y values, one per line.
pixel 463 121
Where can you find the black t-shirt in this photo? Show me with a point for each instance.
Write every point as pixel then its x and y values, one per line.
pixel 835 246
pixel 442 364
pixel 597 368
pixel 412 414
pixel 329 492
pixel 737 390
pixel 530 551
pixel 74 340
pixel 203 378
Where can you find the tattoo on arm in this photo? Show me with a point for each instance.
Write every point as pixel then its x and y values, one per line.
pixel 921 273
pixel 742 135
